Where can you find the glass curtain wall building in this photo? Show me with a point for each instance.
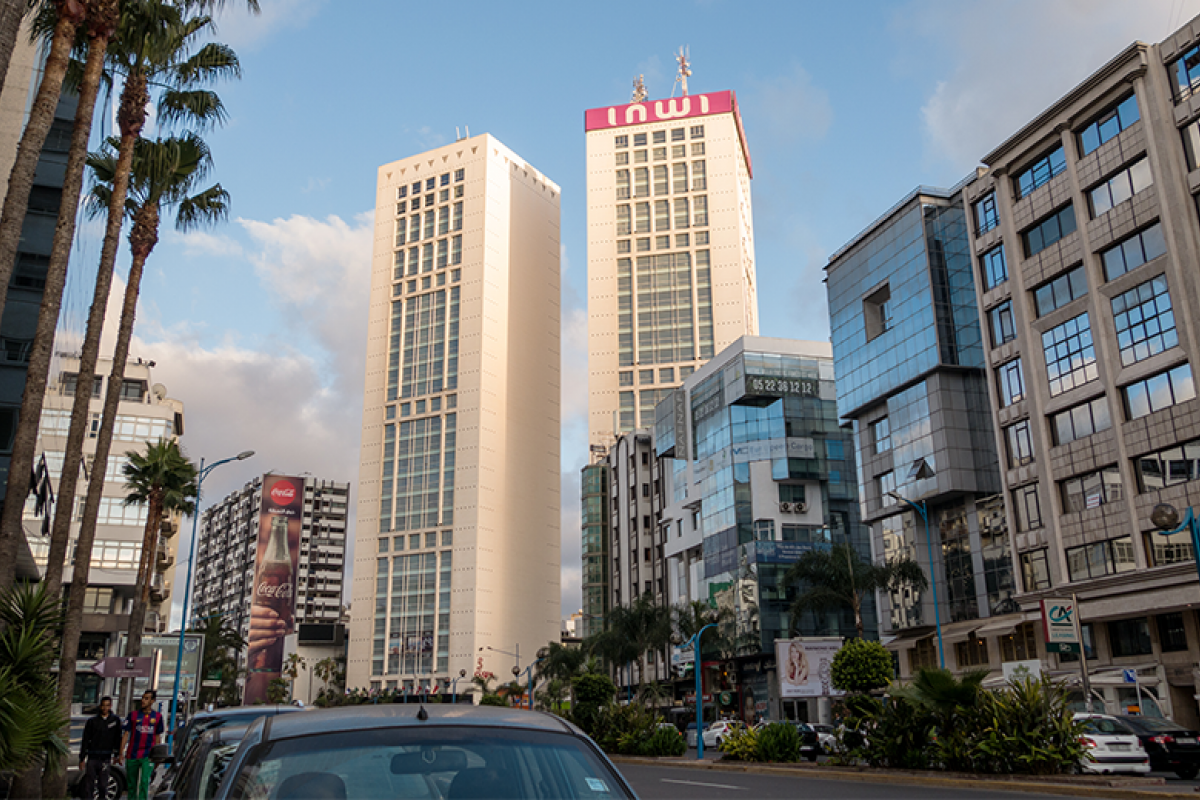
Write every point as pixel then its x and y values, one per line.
pixel 595 517
pixel 907 346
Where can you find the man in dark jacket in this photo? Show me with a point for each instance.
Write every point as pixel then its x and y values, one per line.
pixel 101 745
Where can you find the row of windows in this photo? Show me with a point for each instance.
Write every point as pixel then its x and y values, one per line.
pixel 688 212
pixel 429 281
pixel 645 377
pixel 1060 291
pixel 439 223
pixel 625 246
pixel 443 196
pixel 430 184
pixel 660 137
pixel 659 154
pixel 1054 227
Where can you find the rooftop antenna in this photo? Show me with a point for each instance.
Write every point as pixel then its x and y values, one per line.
pixel 685 70
pixel 639 90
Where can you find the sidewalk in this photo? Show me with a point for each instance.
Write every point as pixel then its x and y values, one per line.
pixel 1071 785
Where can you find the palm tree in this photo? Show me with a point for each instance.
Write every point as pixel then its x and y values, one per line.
pixel 222 644
pixel 692 616
pixel 294 666
pixel 839 578
pixel 325 669
pixel 632 631
pixel 164 481
pixel 11 14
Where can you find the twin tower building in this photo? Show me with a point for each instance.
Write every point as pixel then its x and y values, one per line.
pixel 457 564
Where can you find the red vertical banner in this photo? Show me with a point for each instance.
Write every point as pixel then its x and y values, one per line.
pixel 273 604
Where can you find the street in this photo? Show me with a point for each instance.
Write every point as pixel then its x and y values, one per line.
pixel 653 782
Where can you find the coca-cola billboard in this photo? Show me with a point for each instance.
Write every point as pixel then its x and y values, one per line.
pixel 273 605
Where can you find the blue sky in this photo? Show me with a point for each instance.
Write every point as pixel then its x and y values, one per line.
pixel 259 325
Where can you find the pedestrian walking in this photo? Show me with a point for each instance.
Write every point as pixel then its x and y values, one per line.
pixel 101 746
pixel 142 729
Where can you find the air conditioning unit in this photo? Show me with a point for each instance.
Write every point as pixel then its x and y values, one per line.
pixel 786 508
pixel 793 508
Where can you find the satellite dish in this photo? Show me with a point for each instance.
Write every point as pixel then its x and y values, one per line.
pixel 159 391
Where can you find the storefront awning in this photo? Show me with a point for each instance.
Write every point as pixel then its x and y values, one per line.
pixel 1002 626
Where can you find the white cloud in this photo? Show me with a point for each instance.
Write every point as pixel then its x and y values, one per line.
pixel 786 108
pixel 242 30
pixel 1008 62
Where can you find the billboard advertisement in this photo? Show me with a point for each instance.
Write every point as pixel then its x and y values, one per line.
pixel 273 603
pixel 803 665
pixel 164 649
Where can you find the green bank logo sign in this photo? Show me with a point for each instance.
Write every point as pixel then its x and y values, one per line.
pixel 1058 620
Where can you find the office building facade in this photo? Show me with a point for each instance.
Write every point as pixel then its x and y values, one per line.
pixel 1085 235
pixel 911 380
pixel 458 523
pixel 757 470
pixel 671 272
pixel 595 552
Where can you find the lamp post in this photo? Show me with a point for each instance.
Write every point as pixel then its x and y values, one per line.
pixel 677 640
pixel 541 656
pixel 1166 518
pixel 922 509
pixel 516 655
pixel 201 474
pixel 462 673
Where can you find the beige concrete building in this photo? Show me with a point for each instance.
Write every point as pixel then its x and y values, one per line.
pixel 457 543
pixel 1085 234
pixel 670 250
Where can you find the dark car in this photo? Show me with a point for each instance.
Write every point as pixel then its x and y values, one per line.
pixel 1171 746
pixel 810 741
pixel 200 772
pixel 116 772
pixel 417 751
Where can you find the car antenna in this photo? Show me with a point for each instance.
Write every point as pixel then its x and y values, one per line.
pixel 422 714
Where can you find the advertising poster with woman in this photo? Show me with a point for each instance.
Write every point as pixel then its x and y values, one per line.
pixel 803 666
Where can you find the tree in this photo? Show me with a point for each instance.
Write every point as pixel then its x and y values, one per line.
pixel 592 692
pixel 861 666
pixel 839 578
pixel 325 669
pixel 30 717
pixel 692 616
pixel 294 665
pixel 222 644
pixel 12 12
pixel 164 481
pixel 560 666
pixel 632 631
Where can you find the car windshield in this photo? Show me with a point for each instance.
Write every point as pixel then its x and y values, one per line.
pixel 203 724
pixel 1156 724
pixel 427 762
pixel 1103 725
pixel 214 768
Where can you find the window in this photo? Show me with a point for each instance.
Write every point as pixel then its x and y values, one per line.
pixel 1041 171
pixel 1027 509
pixel 1091 490
pixel 1120 187
pixel 443 223
pixel 1144 321
pixel 678 134
pixel 1010 382
pixel 622 159
pixel 679 181
pixel 1070 355
pixel 1081 420
pixel 764 530
pixel 624 221
pixel 69 379
pixel 459 175
pixel 626 378
pixel 97 600
pixel 791 493
pixel 641 222
pixel 699 179
pixel 1133 252
pixel 662 215
pixel 1172 637
pixel 923 655
pixel 887 485
pixel 456 250
pixel 697 132
pixel 1186 71
pixel 660 154
pixel 443 254
pixel 402 192
pixel 681 240
pixel 641 182
pixel 621 141
pixel 1060 291
pixel 1168 467
pixel 645 376
pixel 666 375
pixel 1004 328
pixel 429 224
pixel 1020 645
pixel 881 435
pixel 697 148
pixel 1089 648
pixel 700 211
pixel 1129 637
pixel 1035 570
pixel 430 184
pixel 639 140
pixel 1191 144
pixel 1054 227
pixel 986 215
pixel 1159 391
pixel 1165 550
pixel 662 242
pixel 622 184
pixel 661 181
pixel 681 212
pixel 995 270
pixel 877 312
pixel 1100 558
pixel 1108 125
pixel 1020 444
pixel 971 653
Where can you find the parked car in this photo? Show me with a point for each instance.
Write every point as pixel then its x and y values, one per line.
pixel 415 750
pixel 690 733
pixel 810 743
pixel 116 772
pixel 826 737
pixel 670 726
pixel 200 772
pixel 1171 746
pixel 719 731
pixel 1111 746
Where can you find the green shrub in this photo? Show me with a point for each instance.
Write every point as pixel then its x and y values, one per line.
pixel 740 744
pixel 861 666
pixel 592 692
pixel 1028 728
pixel 664 742
pixel 493 700
pixel 624 729
pixel 779 741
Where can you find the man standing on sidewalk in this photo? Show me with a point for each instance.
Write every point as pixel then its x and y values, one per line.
pixel 142 729
pixel 101 744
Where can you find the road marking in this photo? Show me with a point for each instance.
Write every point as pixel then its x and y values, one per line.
pixel 697 783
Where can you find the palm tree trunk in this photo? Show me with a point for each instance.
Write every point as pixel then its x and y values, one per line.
pixel 137 617
pixel 11 14
pixel 16 202
pixel 101 19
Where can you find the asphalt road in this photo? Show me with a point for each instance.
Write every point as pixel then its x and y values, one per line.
pixel 653 783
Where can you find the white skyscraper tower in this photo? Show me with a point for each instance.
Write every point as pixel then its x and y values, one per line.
pixel 670 248
pixel 457 542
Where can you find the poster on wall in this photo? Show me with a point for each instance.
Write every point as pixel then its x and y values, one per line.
pixel 803 665
pixel 273 607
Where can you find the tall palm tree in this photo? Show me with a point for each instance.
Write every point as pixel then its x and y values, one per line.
pixel 839 578
pixel 632 631
pixel 164 175
pixel 11 14
pixel 692 616
pixel 164 481
pixel 222 644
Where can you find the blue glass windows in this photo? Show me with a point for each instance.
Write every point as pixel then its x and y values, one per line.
pixel 1120 187
pixel 1003 327
pixel 1041 171
pixel 1186 71
pixel 1132 252
pixel 986 214
pixel 1159 391
pixel 1070 355
pixel 1109 124
pixel 1020 444
pixel 1054 227
pixel 1060 291
pixel 1144 321
pixel 1010 382
pixel 1081 420
pixel 995 270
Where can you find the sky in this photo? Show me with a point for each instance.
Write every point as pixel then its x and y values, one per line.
pixel 259 325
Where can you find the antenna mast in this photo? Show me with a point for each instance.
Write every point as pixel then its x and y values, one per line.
pixel 685 69
pixel 639 90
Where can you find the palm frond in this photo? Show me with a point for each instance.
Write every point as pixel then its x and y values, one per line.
pixel 211 62
pixel 197 108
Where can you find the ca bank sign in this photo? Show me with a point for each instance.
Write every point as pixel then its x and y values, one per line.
pixel 1058 620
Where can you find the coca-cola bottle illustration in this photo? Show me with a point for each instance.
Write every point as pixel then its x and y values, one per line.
pixel 274 590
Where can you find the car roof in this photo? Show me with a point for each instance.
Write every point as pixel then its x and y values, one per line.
pixel 227 733
pixel 393 715
pixel 246 711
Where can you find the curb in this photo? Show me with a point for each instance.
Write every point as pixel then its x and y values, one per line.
pixel 999 784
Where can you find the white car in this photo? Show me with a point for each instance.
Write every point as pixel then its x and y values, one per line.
pixel 1111 746
pixel 719 731
pixel 826 737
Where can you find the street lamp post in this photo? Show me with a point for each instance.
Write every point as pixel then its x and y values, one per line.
pixel 677 640
pixel 187 586
pixel 541 655
pixel 462 673
pixel 923 509
pixel 1166 518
